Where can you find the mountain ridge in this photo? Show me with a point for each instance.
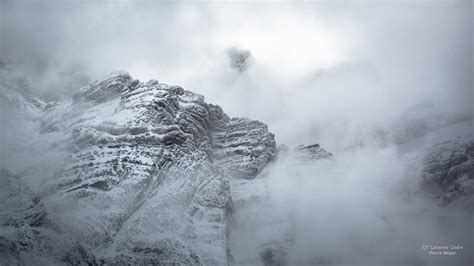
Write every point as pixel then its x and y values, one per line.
pixel 129 172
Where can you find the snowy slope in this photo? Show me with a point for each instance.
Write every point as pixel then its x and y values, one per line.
pixel 144 170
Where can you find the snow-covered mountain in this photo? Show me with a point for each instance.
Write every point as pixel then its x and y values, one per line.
pixel 145 173
pixel 132 172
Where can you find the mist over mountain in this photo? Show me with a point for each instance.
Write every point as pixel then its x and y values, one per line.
pixel 294 134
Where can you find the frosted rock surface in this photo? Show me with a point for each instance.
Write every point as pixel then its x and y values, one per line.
pixel 145 170
pixel 27 233
pixel 448 172
pixel 242 147
pixel 310 153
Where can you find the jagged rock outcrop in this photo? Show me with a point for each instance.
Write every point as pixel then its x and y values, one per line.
pixel 145 171
pixel 303 154
pixel 242 147
pixel 448 172
pixel 311 153
pixel 28 235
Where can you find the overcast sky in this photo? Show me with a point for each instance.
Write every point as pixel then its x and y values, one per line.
pixel 358 62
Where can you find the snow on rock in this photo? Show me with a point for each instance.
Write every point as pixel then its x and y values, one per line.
pixel 448 172
pixel 28 235
pixel 148 173
pixel 242 147
pixel 311 153
pixel 446 156
pixel 145 170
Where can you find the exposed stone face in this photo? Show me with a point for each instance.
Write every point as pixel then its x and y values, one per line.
pixel 146 170
pixel 242 147
pixel 448 172
pixel 104 90
pixel 311 153
pixel 27 234
pixel 303 154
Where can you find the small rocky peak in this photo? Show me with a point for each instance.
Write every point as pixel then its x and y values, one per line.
pixel 311 152
pixel 105 89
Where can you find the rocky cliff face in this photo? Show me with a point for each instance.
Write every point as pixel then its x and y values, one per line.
pixel 145 171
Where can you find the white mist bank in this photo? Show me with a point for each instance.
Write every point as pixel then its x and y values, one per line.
pixel 364 207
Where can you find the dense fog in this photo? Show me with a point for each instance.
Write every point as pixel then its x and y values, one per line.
pixel 364 208
pixel 334 71
pixel 365 80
